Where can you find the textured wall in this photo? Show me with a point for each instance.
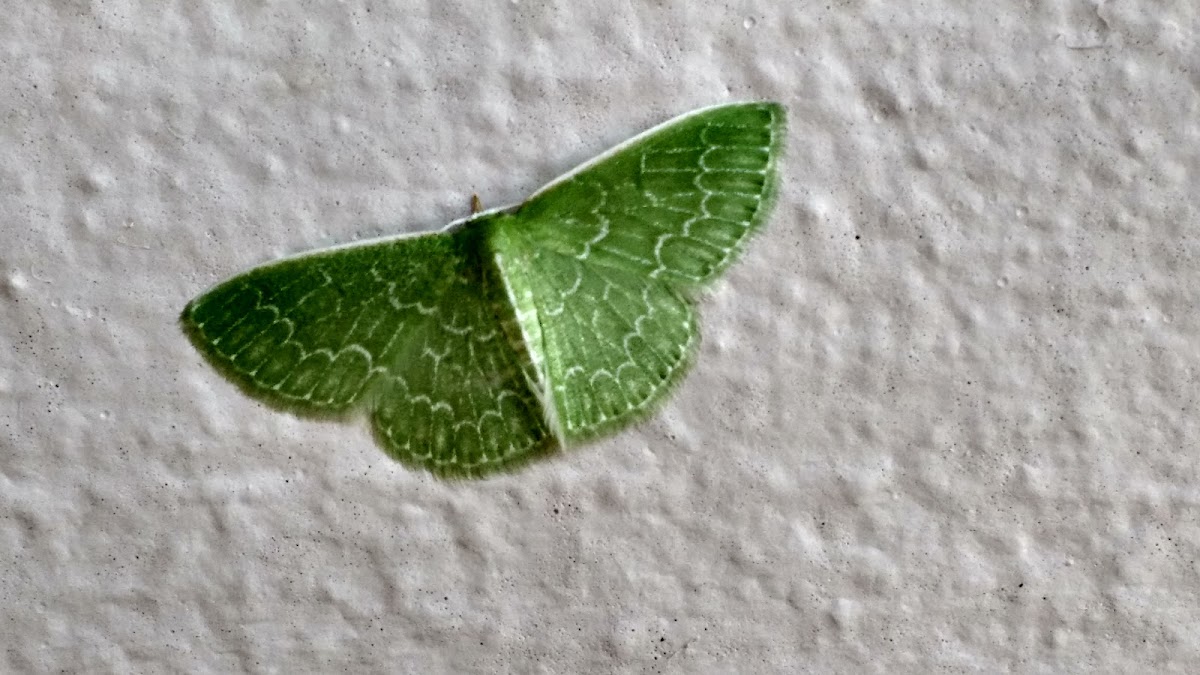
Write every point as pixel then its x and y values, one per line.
pixel 944 414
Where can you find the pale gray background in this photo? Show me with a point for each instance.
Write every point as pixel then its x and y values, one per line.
pixel 945 411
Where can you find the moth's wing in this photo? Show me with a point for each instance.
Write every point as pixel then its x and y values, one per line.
pixel 607 342
pixel 411 331
pixel 609 254
pixel 676 203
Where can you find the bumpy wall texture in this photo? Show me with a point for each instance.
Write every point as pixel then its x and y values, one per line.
pixel 942 414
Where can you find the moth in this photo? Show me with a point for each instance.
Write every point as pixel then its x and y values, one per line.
pixel 515 332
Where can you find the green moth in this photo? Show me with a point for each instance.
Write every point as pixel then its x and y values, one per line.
pixel 517 331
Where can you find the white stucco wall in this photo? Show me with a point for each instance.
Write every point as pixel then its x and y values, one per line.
pixel 944 416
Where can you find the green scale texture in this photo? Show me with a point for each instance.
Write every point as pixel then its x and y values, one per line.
pixel 513 333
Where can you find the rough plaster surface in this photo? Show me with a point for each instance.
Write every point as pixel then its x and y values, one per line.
pixel 944 416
